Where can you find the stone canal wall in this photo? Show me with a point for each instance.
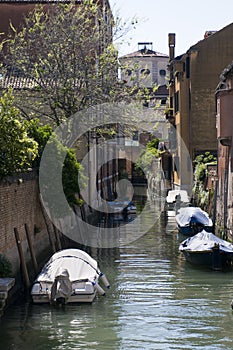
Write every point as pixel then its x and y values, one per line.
pixel 22 222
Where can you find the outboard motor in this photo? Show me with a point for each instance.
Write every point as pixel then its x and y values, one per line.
pixel 62 288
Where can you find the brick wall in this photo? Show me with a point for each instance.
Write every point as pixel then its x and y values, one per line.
pixel 20 205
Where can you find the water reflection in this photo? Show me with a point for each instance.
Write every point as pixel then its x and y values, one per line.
pixel 156 301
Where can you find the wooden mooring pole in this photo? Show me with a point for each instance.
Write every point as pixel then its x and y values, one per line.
pixel 31 248
pixel 57 236
pixel 52 245
pixel 22 259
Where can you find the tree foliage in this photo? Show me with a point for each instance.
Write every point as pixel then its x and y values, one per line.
pixel 61 160
pixel 41 134
pixel 72 171
pixel 200 192
pixel 66 61
pixel 65 52
pixel 22 144
pixel 147 155
pixel 72 178
pixel 17 149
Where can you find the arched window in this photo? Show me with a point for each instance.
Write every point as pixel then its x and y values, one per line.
pixel 162 72
pixel 145 71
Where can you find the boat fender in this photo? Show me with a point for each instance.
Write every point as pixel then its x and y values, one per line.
pixel 104 280
pixel 98 288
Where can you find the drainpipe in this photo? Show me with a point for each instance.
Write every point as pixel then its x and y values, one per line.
pixel 226 141
pixel 225 200
pixel 216 183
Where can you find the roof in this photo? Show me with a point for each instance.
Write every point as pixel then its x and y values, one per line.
pixel 162 90
pixel 208 36
pixel 144 53
pixel 214 33
pixel 228 71
pixel 17 82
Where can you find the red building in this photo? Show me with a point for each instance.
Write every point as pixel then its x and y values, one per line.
pixel 224 96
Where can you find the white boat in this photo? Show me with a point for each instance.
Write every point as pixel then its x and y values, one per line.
pixel 175 200
pixel 69 276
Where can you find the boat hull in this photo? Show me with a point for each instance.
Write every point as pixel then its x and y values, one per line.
pixel 216 260
pixel 83 292
pixel 190 230
pixel 79 298
pixel 192 220
pixel 207 249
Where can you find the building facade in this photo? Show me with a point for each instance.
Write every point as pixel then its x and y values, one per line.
pixel 192 112
pixel 224 198
pixel 146 69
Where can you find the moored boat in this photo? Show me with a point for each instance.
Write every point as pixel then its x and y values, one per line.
pixel 121 209
pixel 175 200
pixel 69 276
pixel 208 250
pixel 192 220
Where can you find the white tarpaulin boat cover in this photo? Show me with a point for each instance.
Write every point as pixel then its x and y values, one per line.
pixel 193 214
pixel 172 194
pixel 204 241
pixel 79 264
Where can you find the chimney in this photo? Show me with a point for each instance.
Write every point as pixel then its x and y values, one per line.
pixel 171 44
pixel 209 33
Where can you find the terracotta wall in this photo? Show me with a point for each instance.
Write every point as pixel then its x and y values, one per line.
pixel 19 205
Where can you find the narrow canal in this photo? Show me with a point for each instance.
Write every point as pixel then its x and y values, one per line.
pixel 156 301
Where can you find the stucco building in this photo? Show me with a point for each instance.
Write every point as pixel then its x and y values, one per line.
pixel 224 198
pixel 146 69
pixel 192 106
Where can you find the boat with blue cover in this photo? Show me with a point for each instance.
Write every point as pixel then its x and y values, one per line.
pixel 191 220
pixel 206 249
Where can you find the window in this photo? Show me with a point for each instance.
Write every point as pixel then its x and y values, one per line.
pixel 187 67
pixel 162 72
pixel 176 101
pixel 145 71
pixel 128 72
pixel 163 101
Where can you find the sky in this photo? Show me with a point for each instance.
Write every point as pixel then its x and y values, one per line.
pixel 189 20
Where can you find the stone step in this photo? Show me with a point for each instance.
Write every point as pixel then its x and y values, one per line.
pixel 6 284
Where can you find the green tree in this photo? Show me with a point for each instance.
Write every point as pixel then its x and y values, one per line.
pixel 41 134
pixel 147 155
pixel 72 175
pixel 17 149
pixel 72 171
pixel 67 57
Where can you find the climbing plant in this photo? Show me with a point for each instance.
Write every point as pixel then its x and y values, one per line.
pixel 17 148
pixel 147 155
pixel 200 192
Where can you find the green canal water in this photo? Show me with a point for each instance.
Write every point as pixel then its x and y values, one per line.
pixel 156 301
